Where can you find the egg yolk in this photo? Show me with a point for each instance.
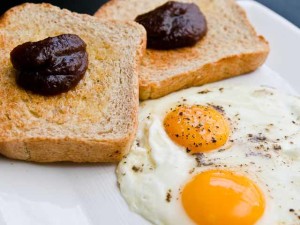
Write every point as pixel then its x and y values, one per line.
pixel 219 197
pixel 197 128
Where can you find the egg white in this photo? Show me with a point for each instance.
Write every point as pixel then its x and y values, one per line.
pixel 264 146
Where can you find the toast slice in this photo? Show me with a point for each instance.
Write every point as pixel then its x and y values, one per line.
pixel 94 122
pixel 231 47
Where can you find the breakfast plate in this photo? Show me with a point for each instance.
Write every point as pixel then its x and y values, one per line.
pixel 87 194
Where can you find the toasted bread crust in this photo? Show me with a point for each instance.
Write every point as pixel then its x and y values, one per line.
pixel 44 150
pixel 90 123
pixel 231 47
pixel 225 68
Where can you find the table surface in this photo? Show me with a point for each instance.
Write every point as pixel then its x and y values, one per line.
pixel 290 9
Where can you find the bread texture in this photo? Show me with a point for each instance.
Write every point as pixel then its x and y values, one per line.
pixel 231 47
pixel 94 122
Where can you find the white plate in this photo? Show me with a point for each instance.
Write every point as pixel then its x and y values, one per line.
pixel 284 39
pixel 63 194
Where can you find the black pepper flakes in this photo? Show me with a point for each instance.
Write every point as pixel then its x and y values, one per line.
pixel 204 91
pixel 199 125
pixel 137 169
pixel 276 147
pixel 169 196
pixel 213 140
pixel 217 107
pixel 192 171
pixel 200 160
pixel 257 138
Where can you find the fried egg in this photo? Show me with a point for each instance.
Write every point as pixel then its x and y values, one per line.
pixel 216 155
